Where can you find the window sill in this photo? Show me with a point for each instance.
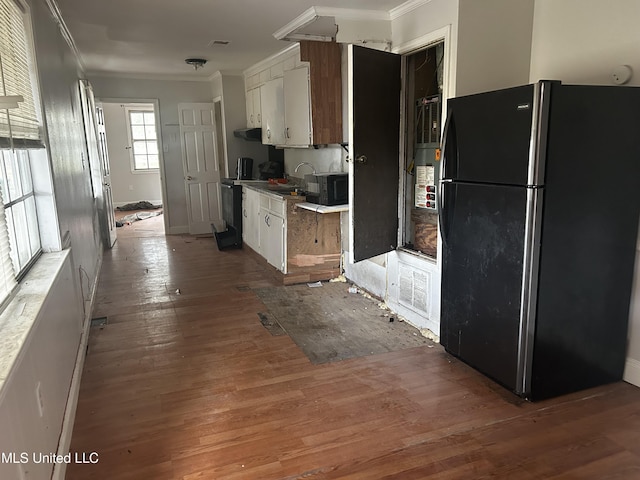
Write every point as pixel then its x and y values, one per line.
pixel 151 171
pixel 20 316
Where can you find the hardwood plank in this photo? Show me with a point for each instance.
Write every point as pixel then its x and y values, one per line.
pixel 192 386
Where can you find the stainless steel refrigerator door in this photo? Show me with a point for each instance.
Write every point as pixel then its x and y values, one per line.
pixel 484 230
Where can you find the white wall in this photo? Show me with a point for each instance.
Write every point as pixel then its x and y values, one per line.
pixel 169 94
pixel 581 41
pixel 331 158
pixel 48 360
pixel 231 89
pixel 53 343
pixel 126 187
pixel 494 44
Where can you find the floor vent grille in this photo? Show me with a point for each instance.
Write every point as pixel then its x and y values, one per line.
pixel 99 321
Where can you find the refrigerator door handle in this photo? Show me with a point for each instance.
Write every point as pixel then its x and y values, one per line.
pixel 449 146
pixel 449 149
pixel 443 213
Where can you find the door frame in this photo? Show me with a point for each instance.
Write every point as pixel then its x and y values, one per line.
pixel 448 91
pixel 166 210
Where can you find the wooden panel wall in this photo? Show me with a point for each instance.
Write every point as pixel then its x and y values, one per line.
pixel 325 61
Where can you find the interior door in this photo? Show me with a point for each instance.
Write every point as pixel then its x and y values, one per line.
pixel 374 127
pixel 201 167
pixel 110 218
pixel 96 142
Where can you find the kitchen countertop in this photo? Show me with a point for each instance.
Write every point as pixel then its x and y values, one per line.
pixel 314 207
pixel 263 186
pixel 284 191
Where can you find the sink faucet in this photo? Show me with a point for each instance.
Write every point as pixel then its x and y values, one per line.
pixel 307 164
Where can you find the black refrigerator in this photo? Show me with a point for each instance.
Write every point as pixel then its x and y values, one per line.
pixel 539 206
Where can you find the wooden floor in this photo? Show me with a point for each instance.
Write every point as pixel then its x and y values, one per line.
pixel 190 385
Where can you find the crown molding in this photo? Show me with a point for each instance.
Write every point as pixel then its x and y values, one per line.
pixel 269 61
pixel 352 13
pixel 300 21
pixel 155 77
pixel 406 7
pixel 64 30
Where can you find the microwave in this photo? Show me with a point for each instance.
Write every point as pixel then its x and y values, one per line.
pixel 328 188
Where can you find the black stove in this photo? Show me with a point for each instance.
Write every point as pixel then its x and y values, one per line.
pixel 231 197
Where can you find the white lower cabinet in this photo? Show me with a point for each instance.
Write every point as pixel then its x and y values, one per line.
pixel 272 238
pixel 264 226
pixel 250 211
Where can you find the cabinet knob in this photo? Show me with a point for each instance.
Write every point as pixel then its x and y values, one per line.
pixel 361 159
pixel 287 132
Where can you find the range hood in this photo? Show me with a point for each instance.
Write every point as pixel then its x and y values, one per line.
pixel 249 134
pixel 313 24
pixel 342 25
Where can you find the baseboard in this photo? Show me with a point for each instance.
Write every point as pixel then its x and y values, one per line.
pixel 178 230
pixel 60 469
pixel 632 372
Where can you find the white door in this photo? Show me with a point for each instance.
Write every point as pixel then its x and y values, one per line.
pixel 98 162
pixel 200 165
pixel 110 218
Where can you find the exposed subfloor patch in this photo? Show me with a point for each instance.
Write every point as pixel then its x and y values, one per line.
pixel 330 324
pixel 271 324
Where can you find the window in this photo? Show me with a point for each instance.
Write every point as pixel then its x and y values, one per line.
pixel 143 139
pixel 19 208
pixel 424 76
pixel 19 135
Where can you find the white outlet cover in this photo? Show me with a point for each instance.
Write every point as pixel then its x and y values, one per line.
pixel 621 74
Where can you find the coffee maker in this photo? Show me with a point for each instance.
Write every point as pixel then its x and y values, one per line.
pixel 244 170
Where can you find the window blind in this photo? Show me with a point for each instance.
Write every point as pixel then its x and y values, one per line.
pixel 19 127
pixel 7 277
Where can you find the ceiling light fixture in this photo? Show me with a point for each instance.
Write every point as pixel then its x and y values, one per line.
pixel 196 63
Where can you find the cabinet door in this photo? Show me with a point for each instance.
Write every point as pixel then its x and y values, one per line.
pixel 297 107
pixel 250 225
pixel 257 114
pixel 254 117
pixel 272 238
pixel 272 112
pixel 248 98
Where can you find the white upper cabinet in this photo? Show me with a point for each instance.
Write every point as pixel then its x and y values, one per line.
pixel 297 107
pixel 272 111
pixel 254 114
pixel 303 108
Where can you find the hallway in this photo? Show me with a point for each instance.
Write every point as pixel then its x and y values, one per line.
pixel 183 382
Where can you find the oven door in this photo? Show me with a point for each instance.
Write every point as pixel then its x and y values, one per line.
pixel 226 192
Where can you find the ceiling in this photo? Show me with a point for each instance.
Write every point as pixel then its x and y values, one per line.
pixel 152 38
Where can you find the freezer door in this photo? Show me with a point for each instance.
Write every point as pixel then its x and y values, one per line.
pixel 488 136
pixel 483 233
